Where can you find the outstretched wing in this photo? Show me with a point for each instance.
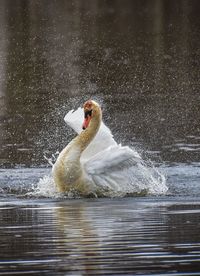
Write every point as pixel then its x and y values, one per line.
pixel 102 140
pixel 114 158
pixel 110 169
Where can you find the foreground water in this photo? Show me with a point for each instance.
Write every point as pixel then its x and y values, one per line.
pixel 140 61
pixel 114 236
pixel 132 236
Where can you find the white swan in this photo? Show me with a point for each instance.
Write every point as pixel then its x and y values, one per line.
pixel 93 161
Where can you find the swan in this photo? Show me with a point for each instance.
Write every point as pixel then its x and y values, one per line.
pixel 93 160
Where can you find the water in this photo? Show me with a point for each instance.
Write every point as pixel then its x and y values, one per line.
pixel 140 60
pixel 100 237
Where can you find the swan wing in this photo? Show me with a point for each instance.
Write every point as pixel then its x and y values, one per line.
pixel 120 170
pixel 114 158
pixel 114 169
pixel 74 119
pixel 102 140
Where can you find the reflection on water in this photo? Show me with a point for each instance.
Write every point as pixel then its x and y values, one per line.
pixel 100 237
pixel 139 59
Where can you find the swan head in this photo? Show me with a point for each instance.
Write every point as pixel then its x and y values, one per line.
pixel 91 110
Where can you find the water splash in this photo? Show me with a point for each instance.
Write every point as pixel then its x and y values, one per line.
pixel 44 188
pixel 141 180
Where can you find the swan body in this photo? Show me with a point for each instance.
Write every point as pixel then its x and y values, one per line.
pixel 93 160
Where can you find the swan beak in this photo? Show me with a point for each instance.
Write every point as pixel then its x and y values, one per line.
pixel 87 119
pixel 86 122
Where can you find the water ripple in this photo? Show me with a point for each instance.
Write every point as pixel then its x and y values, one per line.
pixel 129 236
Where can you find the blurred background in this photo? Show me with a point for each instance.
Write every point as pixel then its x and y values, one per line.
pixel 140 59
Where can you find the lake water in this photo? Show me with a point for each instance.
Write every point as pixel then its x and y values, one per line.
pixel 140 60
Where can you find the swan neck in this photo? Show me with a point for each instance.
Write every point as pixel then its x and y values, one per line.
pixel 87 135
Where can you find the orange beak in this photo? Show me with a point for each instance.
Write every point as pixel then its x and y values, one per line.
pixel 86 119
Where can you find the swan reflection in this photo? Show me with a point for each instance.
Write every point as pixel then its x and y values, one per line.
pixel 80 240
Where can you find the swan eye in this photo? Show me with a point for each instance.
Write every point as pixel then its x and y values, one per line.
pixel 88 113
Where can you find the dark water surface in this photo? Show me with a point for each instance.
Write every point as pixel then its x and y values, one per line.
pixel 141 60
pixel 100 237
